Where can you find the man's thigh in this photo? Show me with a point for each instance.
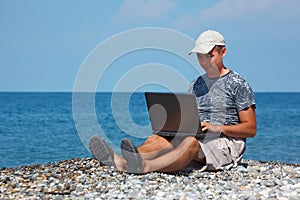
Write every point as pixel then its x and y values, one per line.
pixel 155 146
pixel 156 138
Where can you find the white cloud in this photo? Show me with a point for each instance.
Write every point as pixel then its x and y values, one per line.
pixel 145 9
pixel 186 22
pixel 240 8
pixel 231 11
pixel 237 8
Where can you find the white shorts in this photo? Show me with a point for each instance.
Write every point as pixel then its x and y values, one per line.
pixel 222 153
pixel 201 154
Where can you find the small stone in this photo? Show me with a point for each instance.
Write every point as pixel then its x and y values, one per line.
pixel 241 169
pixel 277 173
pixel 283 198
pixel 252 170
pixel 288 169
pixel 173 180
pixel 269 183
pixel 230 186
pixel 160 194
pixel 258 169
pixel 278 182
pixel 188 188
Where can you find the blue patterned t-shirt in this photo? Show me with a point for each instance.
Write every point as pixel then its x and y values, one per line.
pixel 220 99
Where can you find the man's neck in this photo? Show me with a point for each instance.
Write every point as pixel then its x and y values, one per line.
pixel 216 72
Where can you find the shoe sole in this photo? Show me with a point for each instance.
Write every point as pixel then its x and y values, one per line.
pixel 132 156
pixel 101 151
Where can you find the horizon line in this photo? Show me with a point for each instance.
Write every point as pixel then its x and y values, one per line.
pixel 107 91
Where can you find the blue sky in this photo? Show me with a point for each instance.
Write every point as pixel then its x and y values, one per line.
pixel 44 43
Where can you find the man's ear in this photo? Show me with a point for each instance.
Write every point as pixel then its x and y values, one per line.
pixel 224 50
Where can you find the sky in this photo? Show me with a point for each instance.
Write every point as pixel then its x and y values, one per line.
pixel 43 44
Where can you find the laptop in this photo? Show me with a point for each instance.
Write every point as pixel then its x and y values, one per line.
pixel 173 114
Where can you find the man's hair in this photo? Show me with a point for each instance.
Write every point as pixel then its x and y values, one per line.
pixel 219 48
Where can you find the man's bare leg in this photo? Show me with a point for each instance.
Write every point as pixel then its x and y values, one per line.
pixel 176 159
pixel 120 162
pixel 154 147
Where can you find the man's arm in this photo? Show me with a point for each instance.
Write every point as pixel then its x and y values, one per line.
pixel 245 129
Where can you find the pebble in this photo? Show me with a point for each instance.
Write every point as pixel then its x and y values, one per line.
pixel 84 178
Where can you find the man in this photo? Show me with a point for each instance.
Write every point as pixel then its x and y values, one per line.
pixel 227 111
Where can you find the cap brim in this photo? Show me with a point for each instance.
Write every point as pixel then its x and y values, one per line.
pixel 203 49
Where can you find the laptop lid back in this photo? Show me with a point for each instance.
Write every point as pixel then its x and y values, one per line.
pixel 171 112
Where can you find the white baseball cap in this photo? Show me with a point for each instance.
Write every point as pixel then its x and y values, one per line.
pixel 207 41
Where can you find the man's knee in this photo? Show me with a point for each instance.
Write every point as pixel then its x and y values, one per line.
pixel 155 137
pixel 192 145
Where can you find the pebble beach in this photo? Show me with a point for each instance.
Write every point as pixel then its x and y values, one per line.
pixel 84 178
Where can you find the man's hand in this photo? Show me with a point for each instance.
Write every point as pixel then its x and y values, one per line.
pixel 212 128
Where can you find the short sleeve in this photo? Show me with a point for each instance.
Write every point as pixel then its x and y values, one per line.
pixel 191 87
pixel 244 96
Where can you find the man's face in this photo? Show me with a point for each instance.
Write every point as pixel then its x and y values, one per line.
pixel 213 59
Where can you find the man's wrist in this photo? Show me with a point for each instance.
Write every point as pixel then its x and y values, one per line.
pixel 215 128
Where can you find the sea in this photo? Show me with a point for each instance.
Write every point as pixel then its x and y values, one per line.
pixel 41 127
